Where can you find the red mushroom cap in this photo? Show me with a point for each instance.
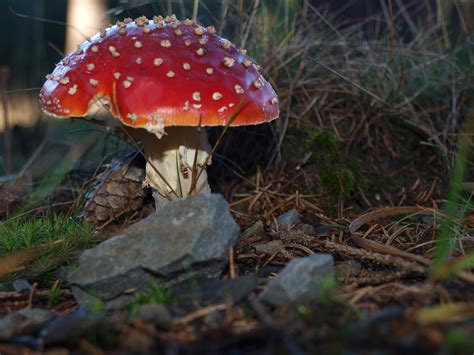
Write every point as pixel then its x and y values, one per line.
pixel 161 72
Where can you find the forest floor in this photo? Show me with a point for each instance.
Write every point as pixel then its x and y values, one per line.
pixel 380 225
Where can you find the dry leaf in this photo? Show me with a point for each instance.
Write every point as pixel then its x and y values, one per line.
pixel 446 313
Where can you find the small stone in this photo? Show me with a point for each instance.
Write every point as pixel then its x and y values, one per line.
pixel 69 329
pixel 21 285
pixel 300 281
pixel 134 341
pixel 14 323
pixel 287 219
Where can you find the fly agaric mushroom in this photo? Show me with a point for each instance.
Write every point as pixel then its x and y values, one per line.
pixel 164 78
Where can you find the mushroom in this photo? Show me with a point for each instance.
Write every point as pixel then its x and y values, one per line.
pixel 164 80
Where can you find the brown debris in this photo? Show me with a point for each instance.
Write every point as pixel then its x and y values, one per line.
pixel 118 194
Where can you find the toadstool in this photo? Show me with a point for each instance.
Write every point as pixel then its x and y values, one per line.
pixel 165 79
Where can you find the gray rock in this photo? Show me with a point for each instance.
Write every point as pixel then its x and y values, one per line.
pixel 21 285
pixel 300 281
pixel 13 323
pixel 187 238
pixel 214 291
pixel 72 327
pixel 287 220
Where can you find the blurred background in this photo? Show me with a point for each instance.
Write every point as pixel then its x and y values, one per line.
pixel 36 33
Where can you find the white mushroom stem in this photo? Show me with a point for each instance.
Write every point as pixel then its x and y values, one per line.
pixel 176 166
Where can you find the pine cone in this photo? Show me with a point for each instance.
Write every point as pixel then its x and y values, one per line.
pixel 118 193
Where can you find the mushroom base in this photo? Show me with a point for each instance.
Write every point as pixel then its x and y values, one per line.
pixel 177 160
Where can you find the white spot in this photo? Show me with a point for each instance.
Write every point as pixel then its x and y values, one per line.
pixel 147 30
pixel 199 31
pixel 209 71
pixel 196 96
pixel 90 66
pixel 156 126
pixel 243 51
pixel 200 51
pixel 165 43
pixel 216 96
pixel 229 62
pixel 222 109
pixel 114 52
pixel 197 106
pixel 123 31
pixel 238 89
pixel 133 117
pixel 72 90
pixel 231 105
pixel 178 32
pixel 186 66
pixel 139 60
pixel 188 42
pixel 188 22
pixel 258 83
pixel 140 21
pixel 211 29
pixel 247 63
pixel 186 106
pixel 202 41
pixel 225 44
pixel 95 48
pixel 274 101
pixel 127 84
pixel 157 62
pixel 93 82
pixel 170 74
pixel 64 80
pixel 138 44
pixel 117 75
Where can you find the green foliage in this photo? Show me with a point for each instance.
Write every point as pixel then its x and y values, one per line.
pixel 450 232
pixel 458 341
pixel 20 232
pixel 54 296
pixel 96 306
pixel 57 235
pixel 155 294
pixel 329 287
pixel 336 176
